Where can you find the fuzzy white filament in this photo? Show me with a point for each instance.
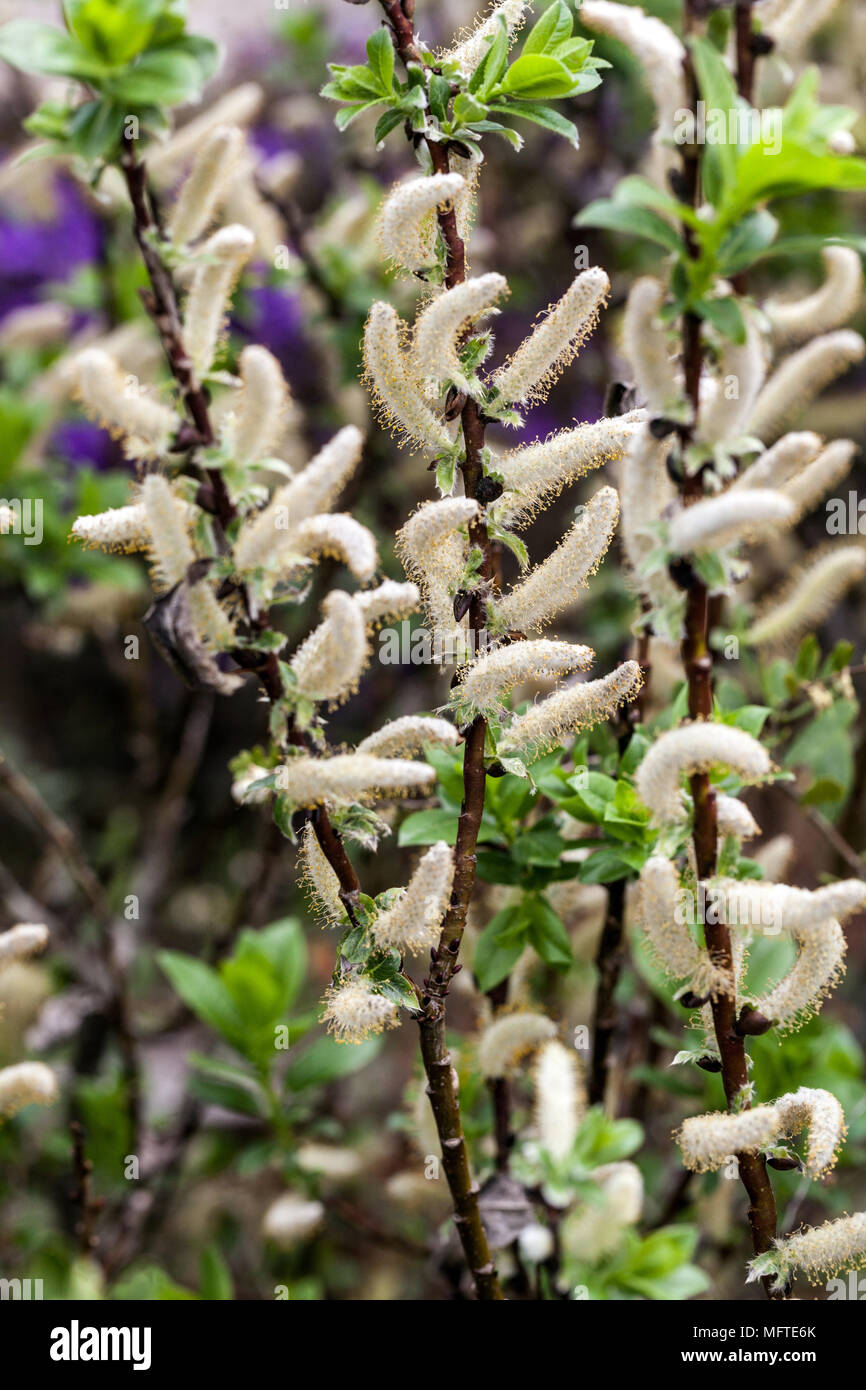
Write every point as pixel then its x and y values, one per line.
pixel 222 258
pixel 468 54
pixel 657 48
pixel 693 748
pixel 800 378
pixel 259 416
pixel 439 329
pixel 821 1113
pixel 121 404
pixel 206 185
pixel 647 347
pixel 398 393
pixel 833 304
pixel 667 932
pixel 488 680
pixel 413 923
pixel 782 462
pixel 819 964
pixel 329 663
pixel 409 221
pixel 820 1251
pixel 509 1038
pixel 534 475
pixel 718 521
pixel 322 884
pixel 407 735
pixel 560 1099
pixel 739 376
pixel 19 942
pixel 339 536
pixel 555 340
pixel 558 581
pixel 26 1083
pixel 355 1011
pixel 803 604
pixel 577 707
pixel 350 776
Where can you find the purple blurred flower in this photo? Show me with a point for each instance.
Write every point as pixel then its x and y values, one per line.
pixel 32 253
pixel 81 443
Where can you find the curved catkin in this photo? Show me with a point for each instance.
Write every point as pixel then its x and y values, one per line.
pixel 739 375
pixel 414 922
pixel 667 934
pixel 560 1098
pixel 594 1229
pixel 320 880
pixel 354 1011
pixel 339 536
pixel 171 554
pixel 657 48
pixel 647 347
pixel 120 528
pixel 733 516
pixel 408 226
pixel 260 412
pixel 819 965
pixel 509 1038
pixel 263 536
pixel 803 604
pixel 222 258
pixel 820 476
pixel 27 1083
pixel 468 54
pixel 388 601
pixel 781 463
pixel 329 663
pixel 206 185
pixel 820 1251
pixel 832 304
pixel 408 735
pixel 800 378
pixel 646 491
pixel 291 1220
pixel 121 404
pixel 485 684
pixel 707 1141
pixel 21 941
pixel 430 525
pixel 554 341
pixel 819 1112
pixel 432 547
pixel 690 748
pixel 734 818
pixel 537 473
pixel 398 394
pixel 577 707
pixel 439 330
pixel 559 581
pixel 756 903
pixel 349 777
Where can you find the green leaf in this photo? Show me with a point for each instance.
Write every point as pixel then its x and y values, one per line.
pixel 387 122
pixel 638 221
pixel 493 64
pixel 201 988
pixel 716 86
pixel 547 934
pixel 439 96
pixel 113 30
pixel 538 114
pixel 553 28
pixel 34 47
pixel 380 56
pixel 344 118
pixel 610 863
pixel 215 1280
pixel 219 1083
pixel 165 77
pixel 446 473
pixel 725 315
pixel 325 1061
pixel 538 847
pixel 500 945
pixel 426 827
pixel 746 242
pixel 538 77
pixel 603 1140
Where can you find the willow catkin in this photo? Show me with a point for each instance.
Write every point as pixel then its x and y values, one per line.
pixel 820 476
pixel 819 1251
pixel 439 331
pixel 222 258
pixel 291 1220
pixel 397 392
pixel 322 883
pixel 535 474
pixel 121 404
pixel 802 604
pixel 468 53
pixel 414 922
pixel 554 341
pixel 509 1038
pixel 339 536
pixel 667 933
pixel 329 663
pixel 739 375
pixel 647 347
pixel 354 1010
pixel 408 223
pixel 260 411
pixel 832 304
pixel 485 684
pixel 690 748
pixel 781 463
pixel 576 707
pixel 349 777
pixel 719 521
pixel 560 1098
pixel 206 185
pixel 818 966
pixel 21 941
pixel 800 378
pixel 26 1083
pixel 659 51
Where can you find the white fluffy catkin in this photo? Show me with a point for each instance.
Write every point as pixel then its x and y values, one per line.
pixel 558 581
pixel 667 932
pixel 121 404
pixel 398 393
pixel 408 227
pixel 732 516
pixel 820 476
pixel 739 376
pixel 468 54
pixel 560 1098
pixel 171 554
pixel 574 708
pixel 831 305
pixel 26 1083
pixel 820 1251
pixel 408 735
pixel 555 340
pixel 804 603
pixel 707 1141
pixel 339 536
pixel 487 682
pixel 659 51
pixel 388 601
pixel 350 777
pixel 646 491
pixel 509 1038
pixel 783 461
pixel 414 922
pixel 206 185
pixel 692 748
pixel 819 1112
pixel 355 1011
pixel 818 966
pixel 537 473
pixel 19 942
pixel 223 257
pixel 329 663
pixel 648 349
pixel 734 818
pixel 320 880
pixel 120 528
pixel 800 378
pixel 439 330
pixel 259 414
pixel 291 1220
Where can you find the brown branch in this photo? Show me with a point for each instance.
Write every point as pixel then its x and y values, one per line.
pixel 82 1196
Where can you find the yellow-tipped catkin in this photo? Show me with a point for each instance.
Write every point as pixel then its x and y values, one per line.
pixel 487 682
pixel 800 606
pixel 707 1141
pixel 408 227
pixel 414 922
pixel 690 748
pixel 321 882
pixel 754 902
pixel 388 601
pixel 667 934
pixel 819 965
pixel 468 54
pixel 800 378
pixel 831 305
pixel 206 185
pixel 433 548
pixel 120 528
pixel 121 404
pixel 560 1098
pixel 329 663
pixel 171 554
pixel 409 735
pixel 350 777
pixel 354 1011
pixel 439 330
pixel 820 1251
pixel 534 475
pixel 27 1083
pixel 19 942
pixel 509 1038
pixel 647 346
pixel 555 340
pixel 577 707
pixel 399 394
pixel 734 818
pixel 339 536
pixel 819 1112
pixel 733 516
pixel 259 415
pixel 223 257
pixel 558 582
